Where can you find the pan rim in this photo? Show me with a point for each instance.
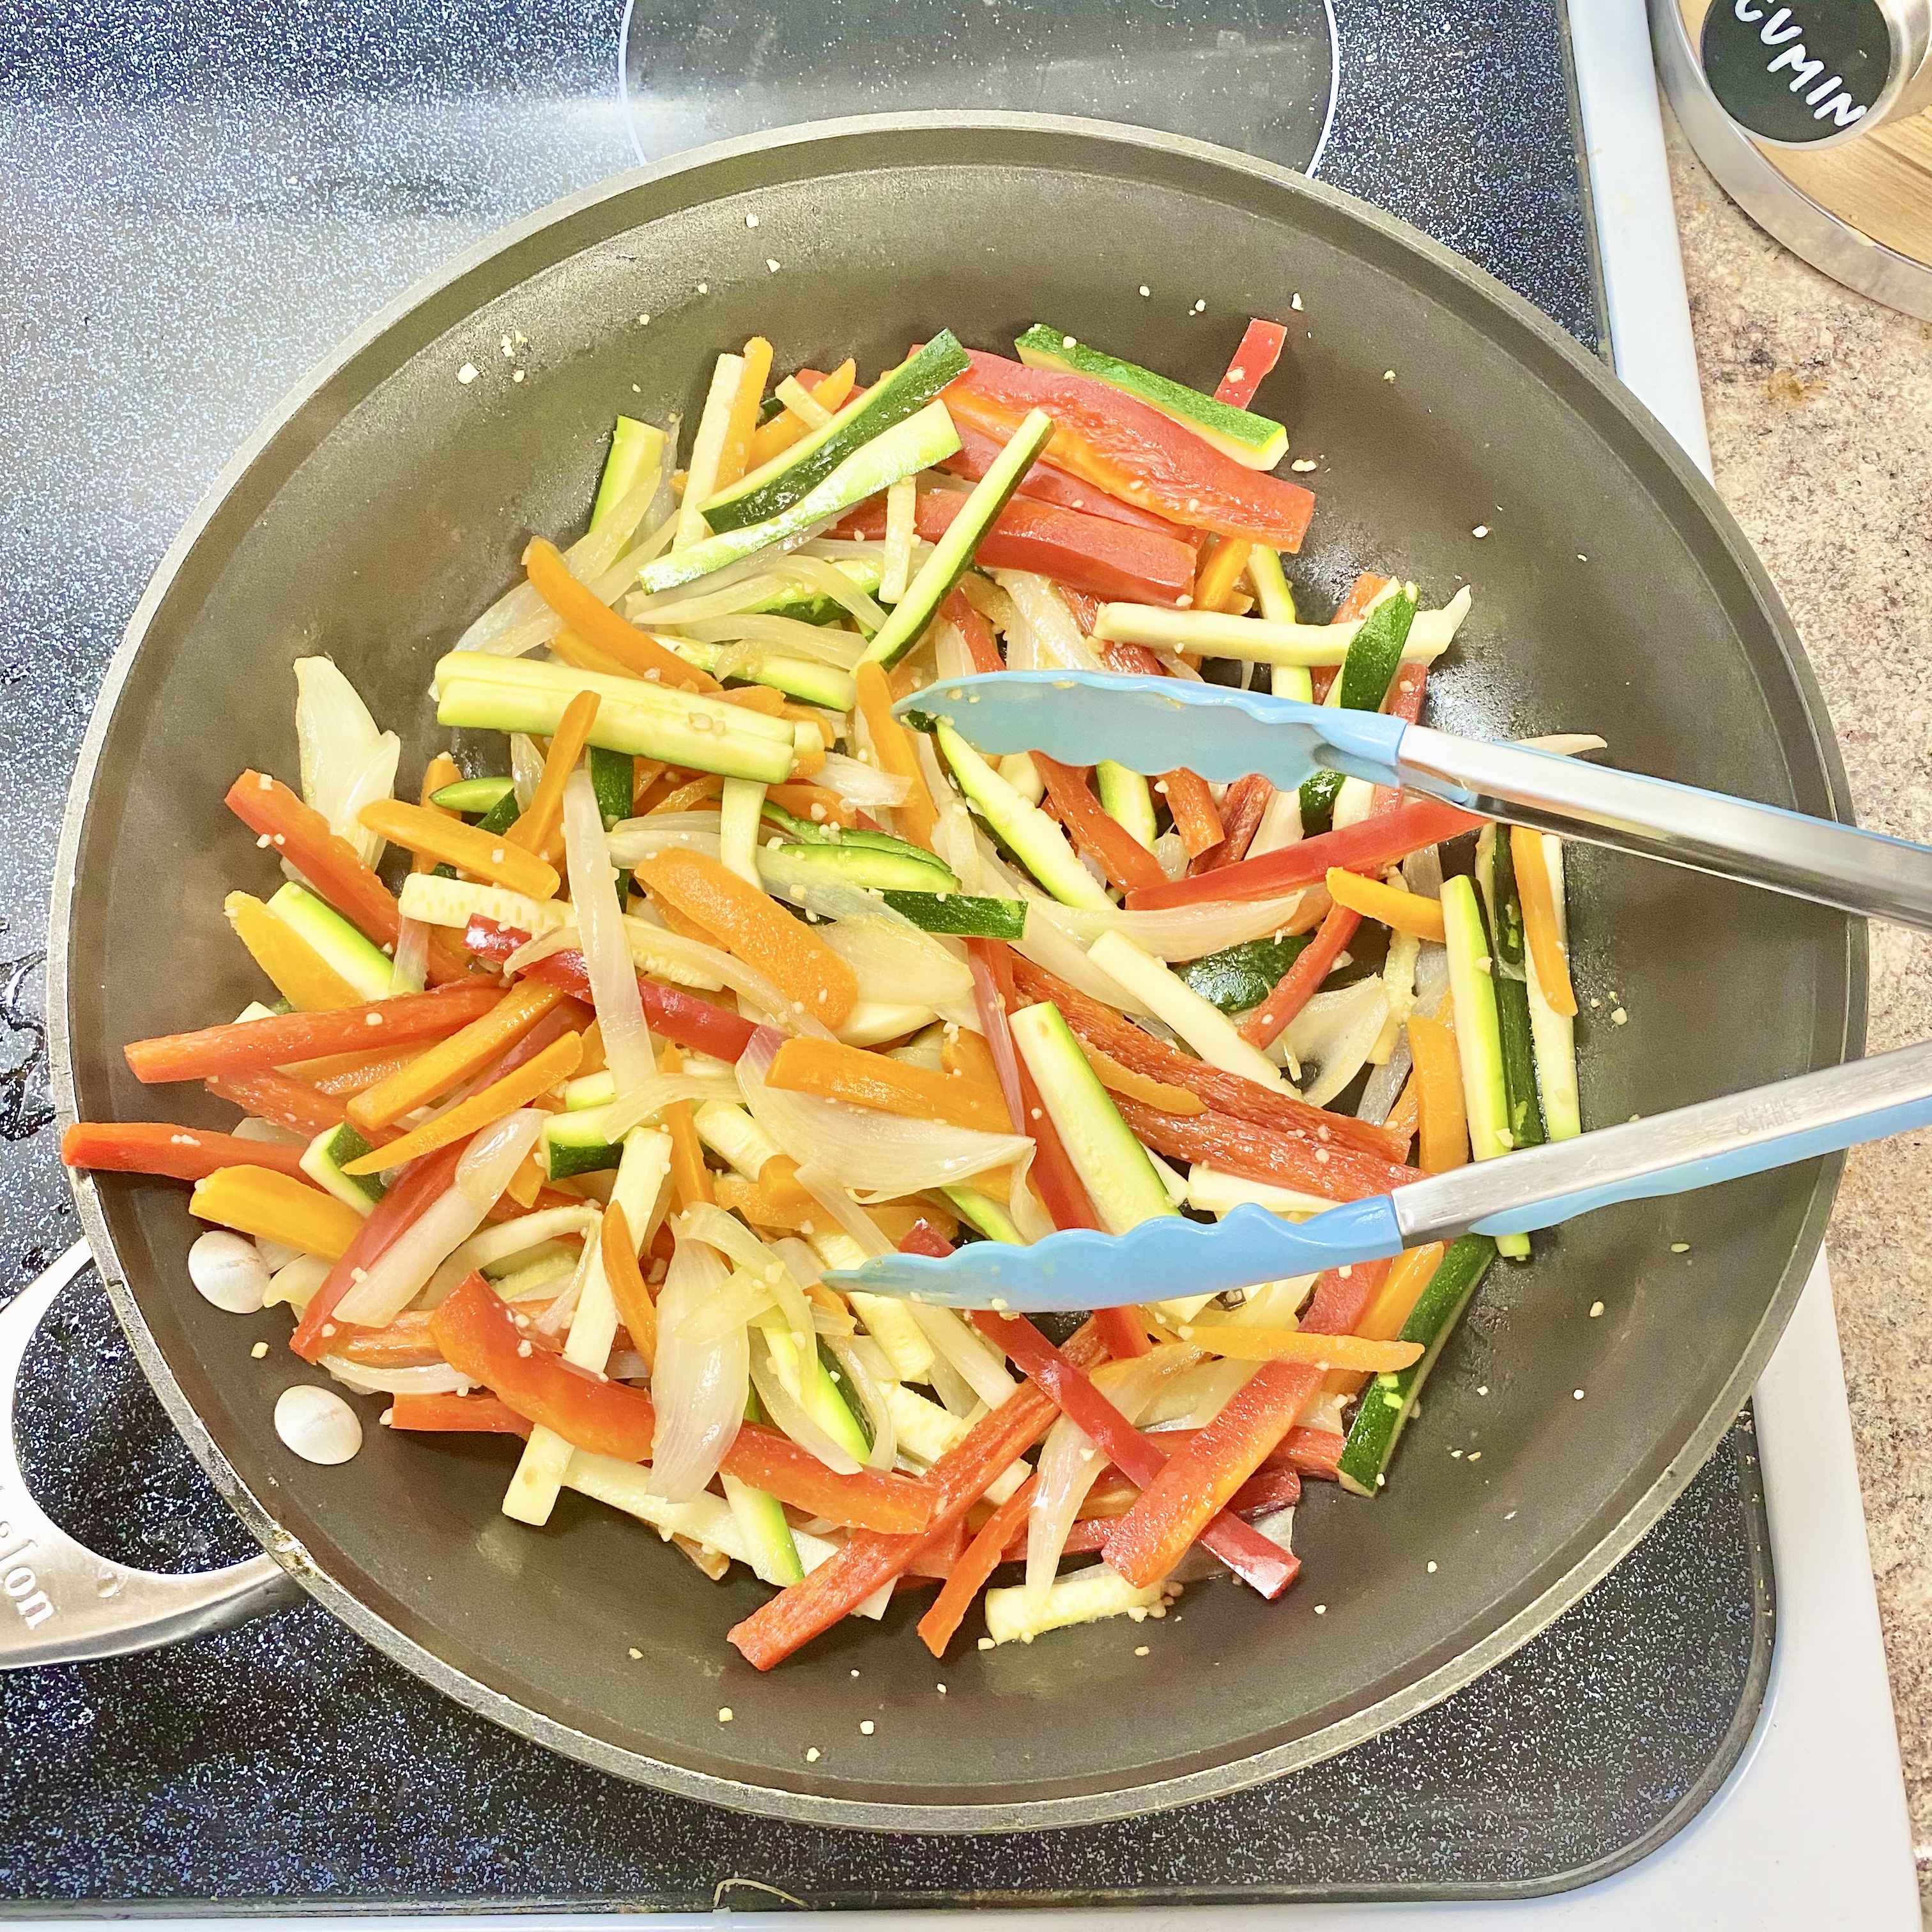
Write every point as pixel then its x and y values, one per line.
pixel 792 1802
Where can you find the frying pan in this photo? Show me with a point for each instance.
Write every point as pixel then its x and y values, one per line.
pixel 388 501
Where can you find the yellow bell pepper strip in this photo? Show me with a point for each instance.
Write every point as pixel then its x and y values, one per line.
pixel 258 1201
pixel 461 1056
pixel 282 1040
pixel 484 1108
pixel 301 835
pixel 756 1204
pixel 180 1154
pixel 1220 570
pixel 593 620
pixel 1300 1345
pixel 1406 912
pixel 892 742
pixel 299 973
pixel 743 421
pixel 830 392
pixel 690 1178
pixel 831 1071
pixel 618 1248
pixel 1441 1112
pixel 488 856
pixel 745 921
pixel 1539 920
pixel 540 828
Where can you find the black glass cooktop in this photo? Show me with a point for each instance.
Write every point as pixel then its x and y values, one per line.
pixel 200 200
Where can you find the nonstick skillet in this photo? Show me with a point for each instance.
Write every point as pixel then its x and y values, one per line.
pixel 387 501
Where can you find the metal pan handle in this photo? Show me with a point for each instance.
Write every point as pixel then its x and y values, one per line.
pixel 60 1603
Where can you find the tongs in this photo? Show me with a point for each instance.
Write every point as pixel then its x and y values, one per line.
pixel 1081 717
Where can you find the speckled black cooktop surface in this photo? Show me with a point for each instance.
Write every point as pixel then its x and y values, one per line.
pixel 200 199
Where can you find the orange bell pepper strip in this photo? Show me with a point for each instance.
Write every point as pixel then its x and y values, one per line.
pixel 461 1056
pixel 801 1611
pixel 593 620
pixel 484 1108
pixel 966 1054
pixel 755 697
pixel 917 816
pixel 1269 1568
pixel 1184 1496
pixel 1442 1118
pixel 480 1337
pixel 297 971
pixel 1220 570
pixel 973 1568
pixel 743 421
pixel 745 921
pixel 489 856
pixel 301 835
pixel 1539 920
pixel 1196 817
pixel 690 1178
pixel 293 1104
pixel 260 1201
pixel 1390 1306
pixel 1160 1094
pixel 1406 1115
pixel 441 1414
pixel 815 802
pixel 774 438
pixel 761 1206
pixel 256 1046
pixel 540 828
pixel 1301 1345
pixel 831 1071
pixel 618 1247
pixel 1124 860
pixel 1243 806
pixel 1403 911
pixel 180 1154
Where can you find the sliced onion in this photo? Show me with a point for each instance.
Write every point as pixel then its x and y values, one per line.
pixel 664 1090
pixel 704 1221
pixel 430 1379
pixel 897 963
pixel 788 1414
pixel 860 784
pixel 1566 744
pixel 743 1298
pixel 981 1366
pixel 628 1049
pixel 843 1209
pixel 341 751
pixel 953 838
pixel 527 764
pixel 1423 872
pixel 860 1147
pixel 1197 1395
pixel 824 644
pixel 951 659
pixel 396 1276
pixel 1179 932
pixel 558 939
pixel 1336 1032
pixel 296 1281
pixel 632 841
pixel 697 1386
pixel 412 960
pixel 1056 641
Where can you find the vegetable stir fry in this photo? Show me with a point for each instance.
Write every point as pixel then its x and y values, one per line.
pixel 689 974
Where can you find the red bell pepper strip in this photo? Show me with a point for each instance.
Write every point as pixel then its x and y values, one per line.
pixel 289 1103
pixel 1331 1172
pixel 257 1046
pixel 1124 860
pixel 1241 809
pixel 974 1568
pixel 1053 1171
pixel 1406 692
pixel 1308 1452
pixel 1371 846
pixel 923 1238
pixel 937 1556
pixel 681 1017
pixel 1303 980
pixel 482 1414
pixel 981 645
pixel 1133 452
pixel 1111 560
pixel 1130 660
pixel 1248 1554
pixel 1222 1092
pixel 1181 1501
pixel 1121 1330
pixel 1340 1296
pixel 1087 613
pixel 1273 1486
pixel 180 1154
pixel 978 451
pixel 1196 817
pixel 301 835
pixel 480 1338
pixel 1255 355
pixel 801 1611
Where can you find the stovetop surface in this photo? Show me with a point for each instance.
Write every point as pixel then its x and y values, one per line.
pixel 201 200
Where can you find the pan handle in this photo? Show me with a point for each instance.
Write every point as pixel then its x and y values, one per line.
pixel 60 1603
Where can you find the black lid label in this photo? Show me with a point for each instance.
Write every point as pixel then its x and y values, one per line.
pixel 1796 74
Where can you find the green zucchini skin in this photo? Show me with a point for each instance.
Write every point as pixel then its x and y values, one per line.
pixel 1239 978
pixel 1374 656
pixel 1503 922
pixel 961 915
pixel 473 795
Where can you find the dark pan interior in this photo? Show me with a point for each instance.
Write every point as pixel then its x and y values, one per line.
pixel 1613 594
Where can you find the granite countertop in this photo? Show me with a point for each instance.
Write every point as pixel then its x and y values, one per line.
pixel 1819 403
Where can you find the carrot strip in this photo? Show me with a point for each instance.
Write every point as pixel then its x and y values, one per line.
pixel 488 856
pixel 833 1072
pixel 1196 817
pixel 689 1177
pixel 297 971
pixel 974 1569
pixel 180 1154
pixel 593 620
pixel 917 816
pixel 1124 860
pixel 981 647
pixel 539 828
pixel 1442 1109
pixel 1301 1345
pixel 1303 980
pixel 1242 808
pixel 459 1057
pixel 815 802
pixel 774 438
pixel 1405 911
pixel 685 796
pixel 1220 569
pixel 439 1414
pixel 743 421
pixel 260 1201
pixel 484 1108
pixel 255 1046
pixel 1156 1093
pixel 1539 920
pixel 293 1104
pixel 569 648
pixel 441 770
pixel 618 1248
pixel 745 921
pixel 301 835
